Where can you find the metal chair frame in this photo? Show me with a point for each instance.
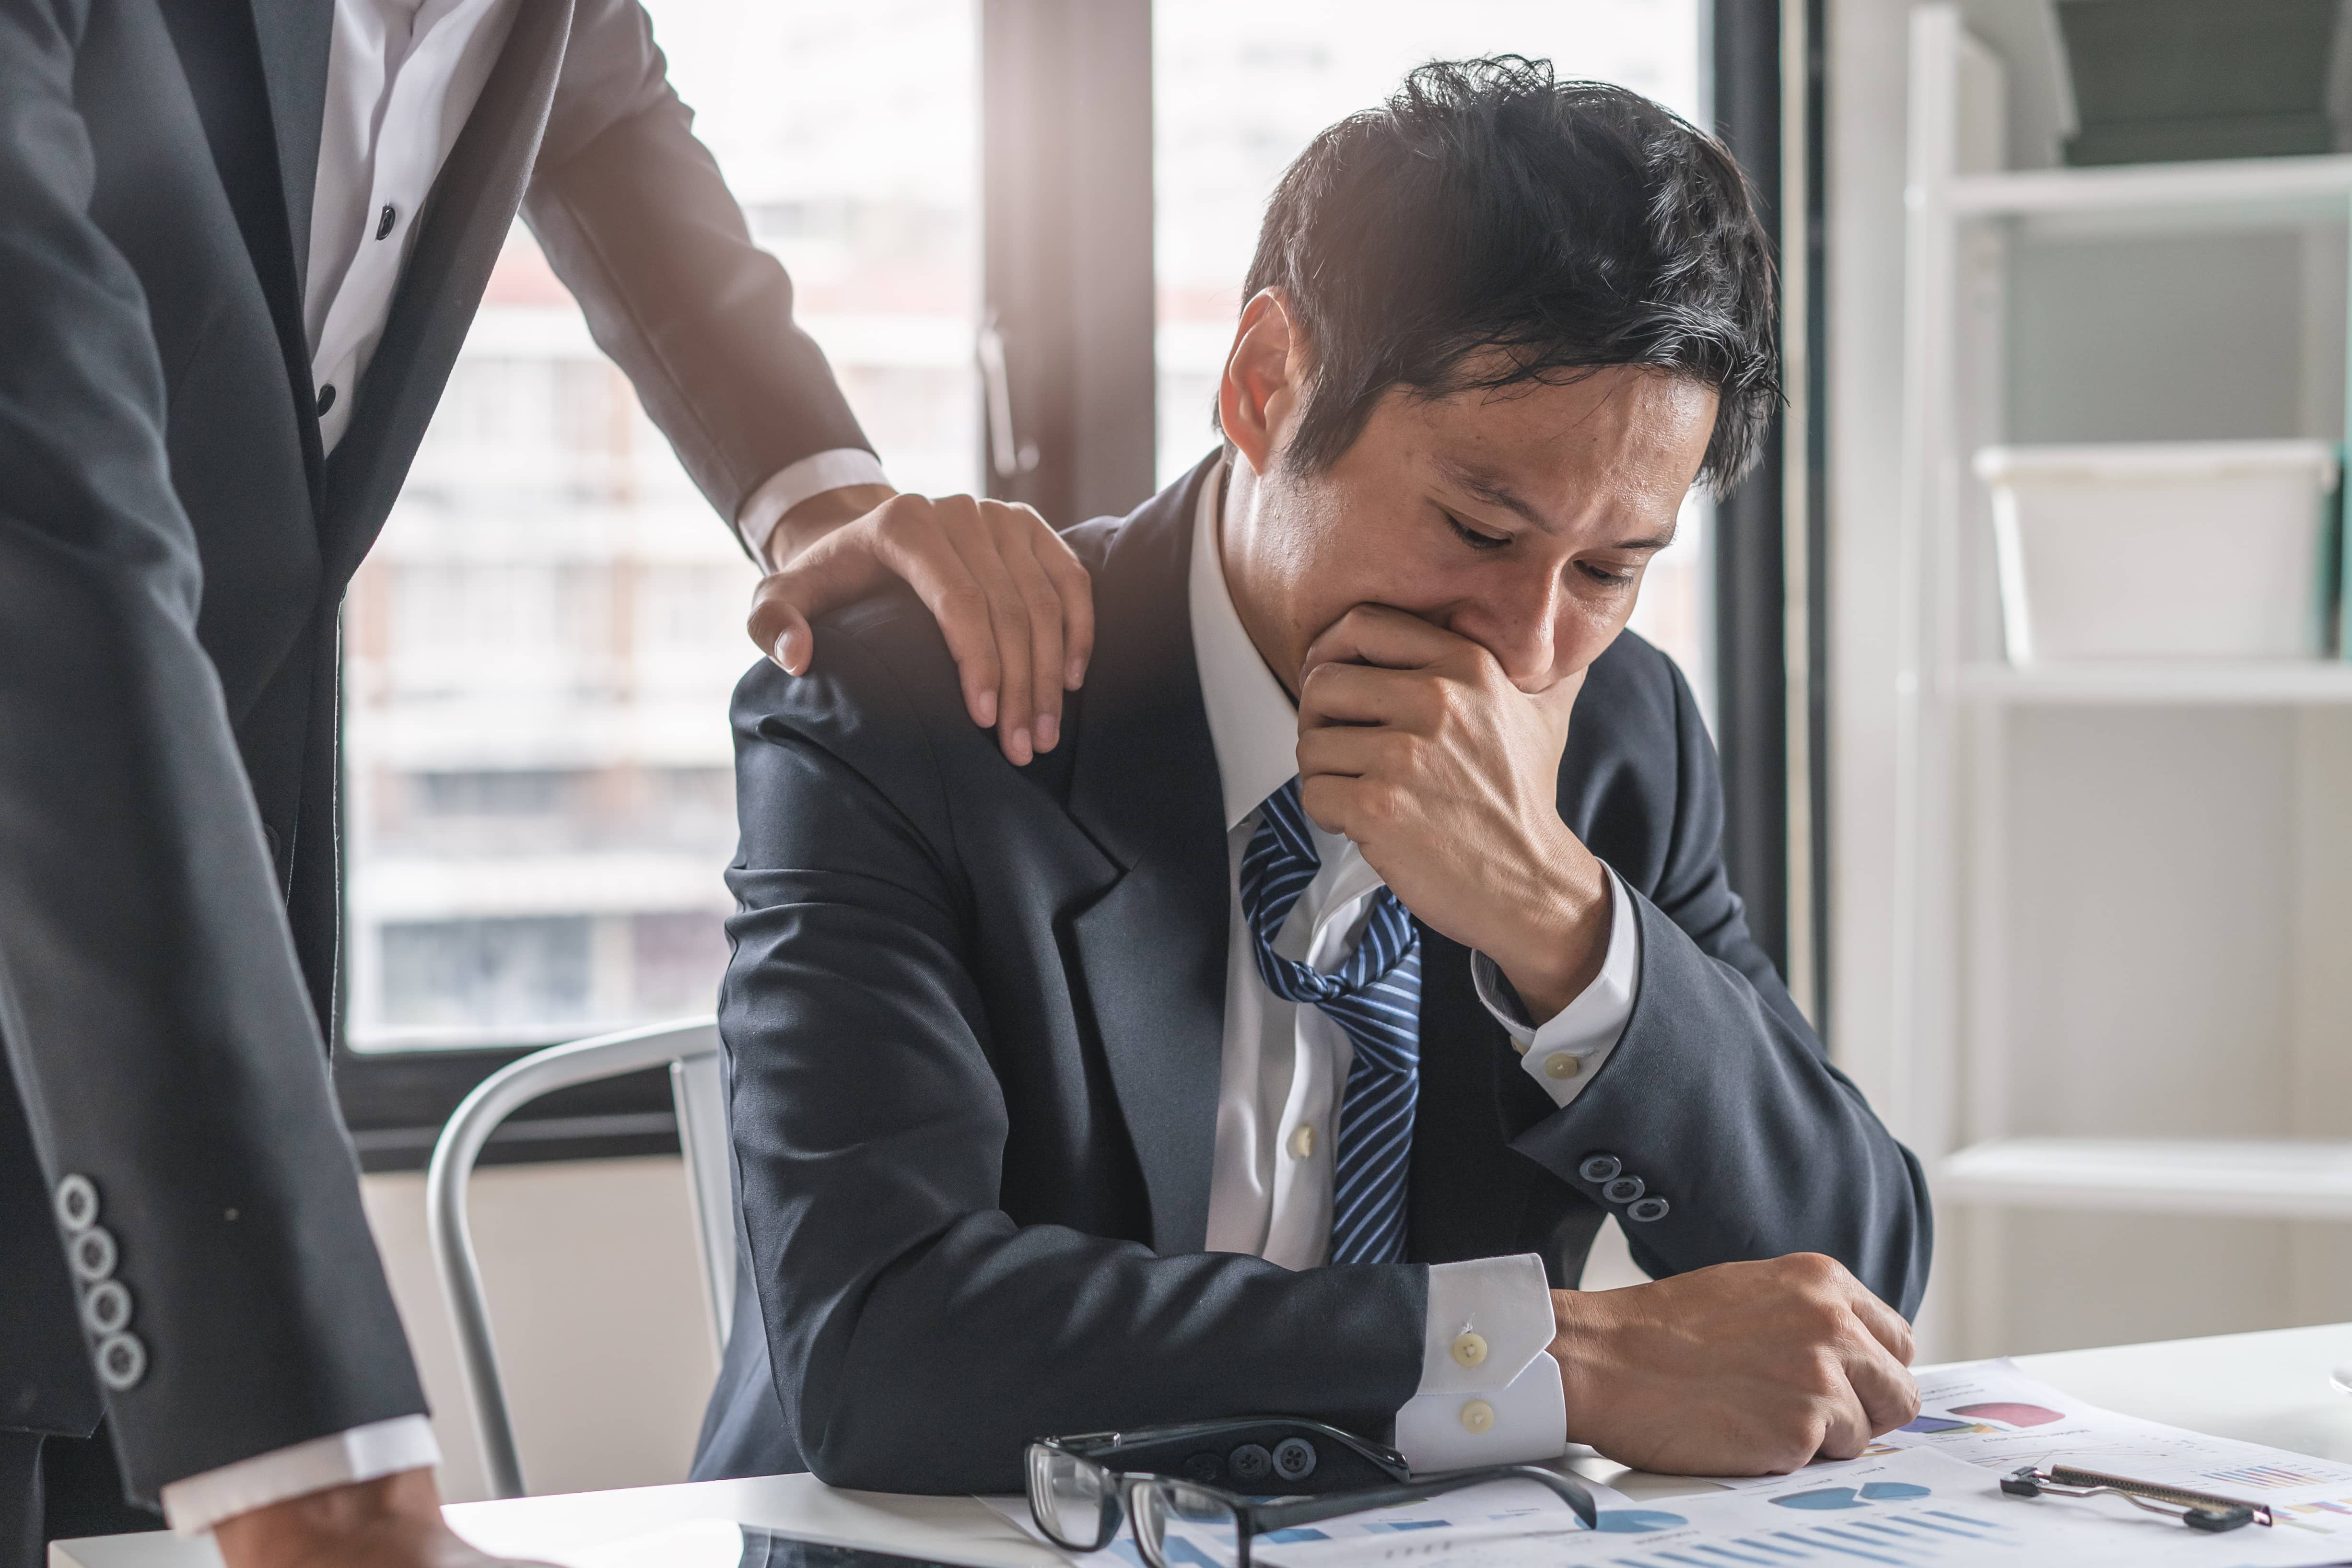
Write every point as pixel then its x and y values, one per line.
pixel 691 1049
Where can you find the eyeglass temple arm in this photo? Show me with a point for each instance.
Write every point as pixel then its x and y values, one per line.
pixel 1314 1509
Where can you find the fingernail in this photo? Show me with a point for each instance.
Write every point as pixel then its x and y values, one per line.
pixel 1049 731
pixel 784 655
pixel 1021 752
pixel 986 709
pixel 1076 676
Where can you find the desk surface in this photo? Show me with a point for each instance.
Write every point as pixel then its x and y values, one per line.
pixel 2265 1388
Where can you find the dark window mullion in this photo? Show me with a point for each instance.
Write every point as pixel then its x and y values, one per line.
pixel 1065 195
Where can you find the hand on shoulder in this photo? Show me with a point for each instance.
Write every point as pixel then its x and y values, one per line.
pixel 1015 605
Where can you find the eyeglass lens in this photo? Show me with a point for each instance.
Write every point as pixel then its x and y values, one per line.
pixel 1074 1499
pixel 1206 1533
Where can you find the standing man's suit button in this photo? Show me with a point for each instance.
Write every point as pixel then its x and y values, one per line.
pixel 1623 1190
pixel 1477 1416
pixel 122 1362
pixel 1648 1209
pixel 107 1309
pixel 1598 1167
pixel 92 1254
pixel 1470 1348
pixel 77 1204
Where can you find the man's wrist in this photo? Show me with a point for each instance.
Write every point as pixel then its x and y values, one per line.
pixel 1559 946
pixel 819 515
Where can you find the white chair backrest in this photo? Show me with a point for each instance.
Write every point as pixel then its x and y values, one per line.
pixel 691 1050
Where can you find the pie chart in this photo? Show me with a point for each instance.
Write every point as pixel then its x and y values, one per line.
pixel 2010 1414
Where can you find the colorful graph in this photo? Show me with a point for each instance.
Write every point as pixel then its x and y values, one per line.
pixel 2266 1477
pixel 1914 1536
pixel 1851 1497
pixel 1637 1520
pixel 2011 1413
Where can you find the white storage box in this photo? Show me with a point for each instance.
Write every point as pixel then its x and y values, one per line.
pixel 2173 549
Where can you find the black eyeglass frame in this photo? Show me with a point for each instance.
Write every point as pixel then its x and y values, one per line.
pixel 1252 1518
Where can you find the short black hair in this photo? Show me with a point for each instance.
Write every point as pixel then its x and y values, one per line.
pixel 1572 224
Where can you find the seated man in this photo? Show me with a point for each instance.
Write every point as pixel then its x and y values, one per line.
pixel 1277 1043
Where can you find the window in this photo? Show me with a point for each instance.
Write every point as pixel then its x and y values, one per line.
pixel 539 652
pixel 1240 86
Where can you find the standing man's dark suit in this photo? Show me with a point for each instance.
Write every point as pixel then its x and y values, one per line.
pixel 173 551
pixel 975 1021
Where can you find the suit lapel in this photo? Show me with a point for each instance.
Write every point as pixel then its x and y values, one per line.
pixel 464 225
pixel 294 36
pixel 1151 950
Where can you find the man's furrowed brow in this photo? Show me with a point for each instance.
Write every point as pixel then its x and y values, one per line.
pixel 1494 491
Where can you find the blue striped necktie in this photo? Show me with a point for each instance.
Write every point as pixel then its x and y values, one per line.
pixel 1375 997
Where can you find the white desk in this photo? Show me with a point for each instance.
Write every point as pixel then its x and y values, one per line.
pixel 2266 1388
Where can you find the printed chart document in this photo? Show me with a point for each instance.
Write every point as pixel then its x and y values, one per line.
pixel 1927 1493
pixel 1906 1507
pixel 1990 1413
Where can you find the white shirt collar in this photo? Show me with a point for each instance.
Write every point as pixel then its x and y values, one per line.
pixel 1252 722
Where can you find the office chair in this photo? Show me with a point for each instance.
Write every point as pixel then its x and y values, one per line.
pixel 691 1049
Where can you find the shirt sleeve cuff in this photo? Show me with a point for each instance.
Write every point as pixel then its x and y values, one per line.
pixel 1569 1049
pixel 192 1506
pixel 1490 1392
pixel 1524 1422
pixel 795 483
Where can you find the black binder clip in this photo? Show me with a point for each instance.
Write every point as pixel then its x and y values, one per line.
pixel 2198 1510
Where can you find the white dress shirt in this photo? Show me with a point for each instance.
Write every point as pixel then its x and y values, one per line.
pixel 403 76
pixel 1490 1392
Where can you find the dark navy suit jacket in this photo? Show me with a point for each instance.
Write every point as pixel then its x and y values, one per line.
pixel 975 1016
pixel 175 544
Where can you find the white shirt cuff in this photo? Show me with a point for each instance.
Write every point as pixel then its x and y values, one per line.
pixel 1490 1392
pixel 193 1506
pixel 1564 1054
pixel 795 483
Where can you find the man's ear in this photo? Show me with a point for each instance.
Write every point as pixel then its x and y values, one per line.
pixel 1265 377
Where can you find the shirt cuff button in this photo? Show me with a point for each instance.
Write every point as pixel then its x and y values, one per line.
pixel 1477 1416
pixel 1470 1348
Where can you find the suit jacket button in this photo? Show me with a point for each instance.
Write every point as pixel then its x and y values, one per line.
pixel 77 1204
pixel 106 1310
pixel 1477 1416
pixel 93 1253
pixel 122 1362
pixel 1648 1209
pixel 1598 1168
pixel 1623 1190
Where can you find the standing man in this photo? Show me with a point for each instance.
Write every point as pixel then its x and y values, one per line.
pixel 240 244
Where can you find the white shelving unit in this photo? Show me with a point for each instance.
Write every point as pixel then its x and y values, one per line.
pixel 2070 1038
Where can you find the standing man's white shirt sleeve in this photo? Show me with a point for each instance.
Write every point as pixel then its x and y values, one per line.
pixel 402 77
pixel 1490 1391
